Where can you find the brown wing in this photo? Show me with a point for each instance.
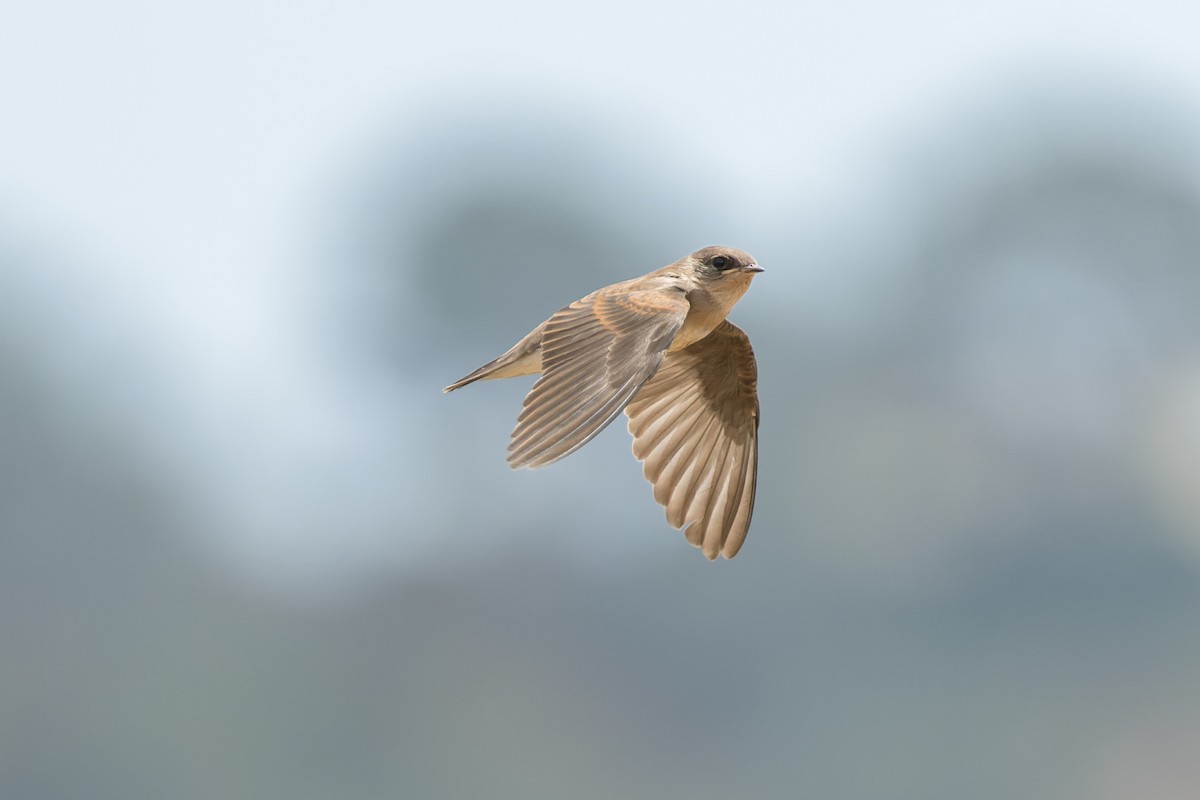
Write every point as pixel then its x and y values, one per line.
pixel 695 425
pixel 596 354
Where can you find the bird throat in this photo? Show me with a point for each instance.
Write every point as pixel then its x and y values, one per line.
pixel 709 309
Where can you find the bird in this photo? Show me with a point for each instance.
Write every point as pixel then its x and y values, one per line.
pixel 659 348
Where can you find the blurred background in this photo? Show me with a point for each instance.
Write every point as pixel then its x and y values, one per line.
pixel 248 549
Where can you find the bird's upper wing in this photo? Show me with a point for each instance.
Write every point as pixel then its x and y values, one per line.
pixel 695 425
pixel 596 354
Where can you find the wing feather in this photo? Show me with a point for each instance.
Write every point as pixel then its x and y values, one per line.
pixel 596 354
pixel 695 428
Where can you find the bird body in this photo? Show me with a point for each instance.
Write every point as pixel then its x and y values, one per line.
pixel 658 348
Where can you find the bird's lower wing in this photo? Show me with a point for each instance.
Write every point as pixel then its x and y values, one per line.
pixel 695 425
pixel 596 354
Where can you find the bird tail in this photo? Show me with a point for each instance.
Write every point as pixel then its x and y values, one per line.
pixel 477 375
pixel 524 358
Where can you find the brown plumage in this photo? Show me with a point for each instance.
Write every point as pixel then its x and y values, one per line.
pixel 660 349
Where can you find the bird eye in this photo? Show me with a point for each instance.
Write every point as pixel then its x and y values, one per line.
pixel 720 261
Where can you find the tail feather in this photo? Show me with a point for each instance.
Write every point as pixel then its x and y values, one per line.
pixel 477 375
pixel 524 358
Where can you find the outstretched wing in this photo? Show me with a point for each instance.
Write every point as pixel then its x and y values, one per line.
pixel 695 425
pixel 596 354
